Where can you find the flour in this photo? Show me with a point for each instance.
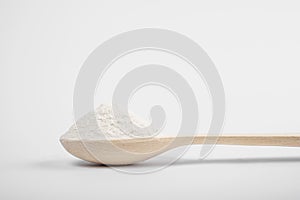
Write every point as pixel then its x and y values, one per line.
pixel 109 127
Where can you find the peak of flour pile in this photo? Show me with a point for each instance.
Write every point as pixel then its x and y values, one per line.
pixel 109 127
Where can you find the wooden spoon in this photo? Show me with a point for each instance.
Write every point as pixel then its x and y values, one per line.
pixel 129 151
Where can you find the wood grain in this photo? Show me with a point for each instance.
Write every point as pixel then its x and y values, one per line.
pixel 254 140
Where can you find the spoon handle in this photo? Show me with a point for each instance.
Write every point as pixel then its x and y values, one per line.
pixel 249 140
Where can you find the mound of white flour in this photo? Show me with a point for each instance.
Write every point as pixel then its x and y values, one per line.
pixel 85 128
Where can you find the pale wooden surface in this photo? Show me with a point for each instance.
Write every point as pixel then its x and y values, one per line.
pixel 123 152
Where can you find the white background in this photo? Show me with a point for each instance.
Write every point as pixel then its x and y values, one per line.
pixel 254 45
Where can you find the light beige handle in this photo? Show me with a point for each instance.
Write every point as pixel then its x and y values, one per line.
pixel 258 140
